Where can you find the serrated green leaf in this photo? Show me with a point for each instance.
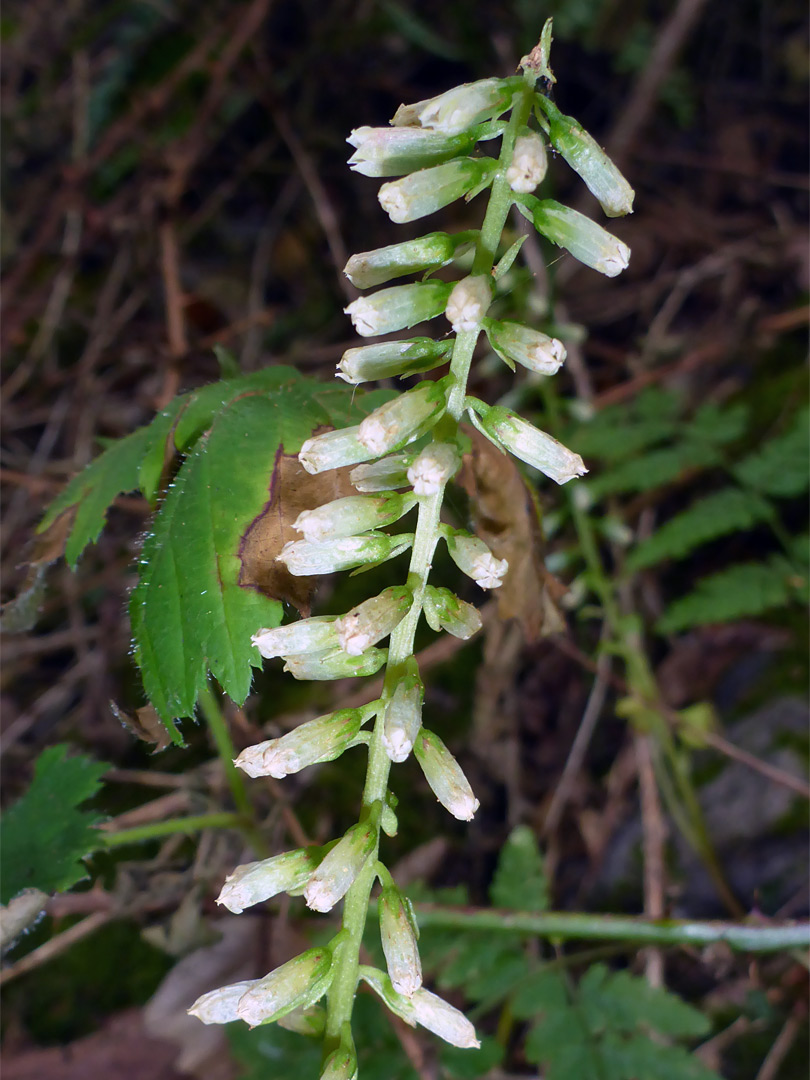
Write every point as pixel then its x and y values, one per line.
pixel 520 882
pixel 654 469
pixel 723 512
pixel 745 589
pixel 43 836
pixel 717 425
pixel 543 992
pixel 116 470
pixel 470 1064
pixel 620 1002
pixel 780 467
pixel 628 1059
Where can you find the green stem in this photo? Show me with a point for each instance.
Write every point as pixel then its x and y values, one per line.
pixel 346 963
pixel 569 926
pixel 212 712
pixel 156 829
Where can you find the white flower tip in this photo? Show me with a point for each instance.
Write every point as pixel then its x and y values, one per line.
pixel 489 572
pixel 318 896
pixel 465 807
pixel 406 983
pixel 397 745
pixel 372 435
pixel 468 303
pixel 615 261
pixel 394 202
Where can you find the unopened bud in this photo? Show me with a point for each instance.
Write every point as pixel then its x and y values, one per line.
pixel 332 450
pixel 458 109
pixel 370 268
pixel 219 1006
pixel 255 882
pixel 296 984
pixel 423 1008
pixel 587 241
pixel 515 343
pixel 397 151
pixel 529 163
pixel 397 308
pixel 404 418
pixel 447 781
pixel 350 516
pixel 322 739
pixel 339 869
pixel 433 467
pixel 445 611
pixel 305 559
pixel 306 635
pixel 424 192
pixel 325 666
pixel 528 443
pixel 389 359
pixel 468 303
pixel 390 472
pixel 373 619
pixel 403 713
pixel 310 1021
pixel 340 1065
pixel 399 934
pixel 472 556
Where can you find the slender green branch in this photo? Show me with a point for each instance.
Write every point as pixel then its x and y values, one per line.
pixel 634 931
pixel 222 740
pixel 195 823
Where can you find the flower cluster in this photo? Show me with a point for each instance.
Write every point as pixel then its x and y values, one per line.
pixel 404 453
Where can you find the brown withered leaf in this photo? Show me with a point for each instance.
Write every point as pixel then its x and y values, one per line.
pixel 145 724
pixel 20 614
pixel 507 518
pixel 292 490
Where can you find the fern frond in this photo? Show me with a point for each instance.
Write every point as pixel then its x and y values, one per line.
pixel 780 467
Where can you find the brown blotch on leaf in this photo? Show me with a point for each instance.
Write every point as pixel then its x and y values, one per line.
pixel 145 724
pixel 292 490
pixel 507 519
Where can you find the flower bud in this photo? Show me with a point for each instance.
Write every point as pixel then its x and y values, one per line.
pixel 382 475
pixel 443 773
pixel 371 268
pixel 529 444
pixel 458 109
pixel 373 619
pixel 529 163
pixel 424 192
pixel 322 739
pixel 255 882
pixel 404 418
pixel 219 1006
pixel 397 308
pixel 296 984
pixel 304 559
pixel 306 635
pixel 586 157
pixel 403 713
pixel 310 1021
pixel 341 1064
pixel 332 450
pixel 587 241
pixel 397 151
pixel 433 467
pixel 473 558
pixel 399 934
pixel 424 1008
pixel 468 303
pixel 391 358
pixel 444 611
pixel 325 666
pixel 352 515
pixel 339 869
pixel 515 343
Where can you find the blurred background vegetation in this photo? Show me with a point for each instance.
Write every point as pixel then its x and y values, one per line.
pixel 174 179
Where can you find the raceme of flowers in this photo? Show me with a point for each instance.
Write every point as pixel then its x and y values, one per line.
pixel 404 453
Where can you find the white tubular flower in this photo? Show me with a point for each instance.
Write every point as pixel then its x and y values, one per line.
pixel 529 444
pixel 399 934
pixel 460 108
pixel 219 1006
pixel 586 157
pixel 435 1014
pixel 306 635
pixel 447 781
pixel 352 515
pixel 424 192
pixel 433 467
pixel 370 268
pixel 322 739
pixel 332 450
pixel 391 472
pixel 305 559
pixel 403 713
pixel 396 151
pixel 403 419
pixel 515 343
pixel 468 303
pixel 339 869
pixel 445 611
pixel 373 619
pixel 296 984
pixel 587 241
pixel 529 163
pixel 473 558
pixel 255 882
pixel 325 666
pixel 397 308
pixel 392 358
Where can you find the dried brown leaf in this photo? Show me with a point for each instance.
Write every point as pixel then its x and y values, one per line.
pixel 144 724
